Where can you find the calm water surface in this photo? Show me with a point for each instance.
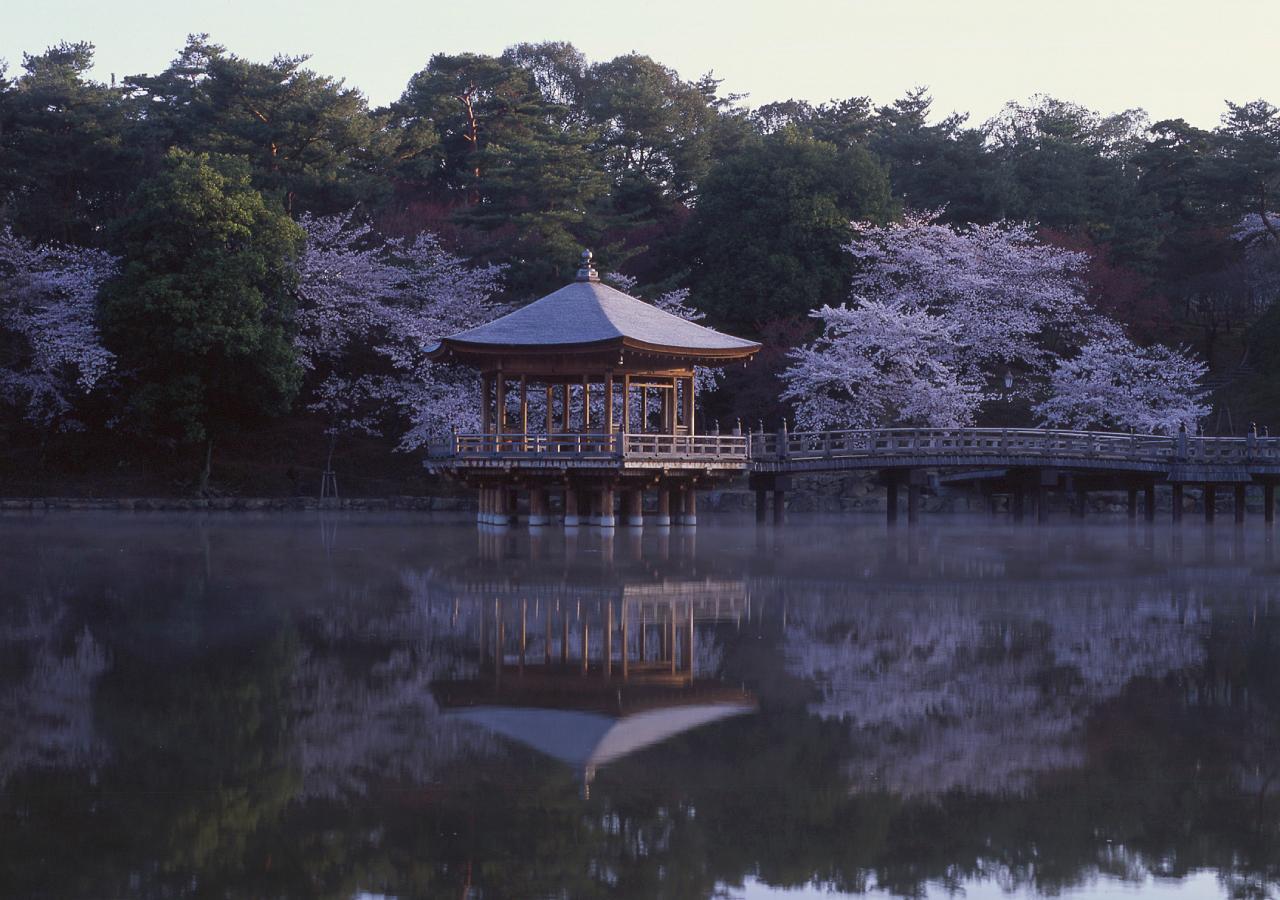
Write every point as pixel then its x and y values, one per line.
pixel 359 706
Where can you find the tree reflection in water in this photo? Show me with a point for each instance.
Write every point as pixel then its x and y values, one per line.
pixel 250 706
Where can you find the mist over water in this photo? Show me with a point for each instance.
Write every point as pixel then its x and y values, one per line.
pixel 338 705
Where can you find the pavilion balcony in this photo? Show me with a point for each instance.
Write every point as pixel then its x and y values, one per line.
pixel 601 449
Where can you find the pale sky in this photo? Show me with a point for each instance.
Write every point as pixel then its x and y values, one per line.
pixel 1171 57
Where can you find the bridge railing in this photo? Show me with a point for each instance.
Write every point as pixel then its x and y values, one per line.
pixel 887 443
pixel 977 442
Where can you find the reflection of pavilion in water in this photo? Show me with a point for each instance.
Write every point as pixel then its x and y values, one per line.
pixel 588 674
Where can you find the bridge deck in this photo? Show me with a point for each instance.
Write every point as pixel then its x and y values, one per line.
pixel 1180 458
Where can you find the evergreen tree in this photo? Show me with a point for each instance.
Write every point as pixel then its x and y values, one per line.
pixel 201 316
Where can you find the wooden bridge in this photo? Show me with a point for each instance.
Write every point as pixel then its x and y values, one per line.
pixel 1023 464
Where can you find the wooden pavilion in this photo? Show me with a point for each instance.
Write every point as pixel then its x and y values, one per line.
pixel 615 378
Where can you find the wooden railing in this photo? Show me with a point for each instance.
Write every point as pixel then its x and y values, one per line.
pixel 980 442
pixel 630 446
pixel 661 446
pixel 880 443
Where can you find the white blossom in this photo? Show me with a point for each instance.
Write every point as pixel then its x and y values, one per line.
pixel 370 308
pixel 1113 384
pixel 50 350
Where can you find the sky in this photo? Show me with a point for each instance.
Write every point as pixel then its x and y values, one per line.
pixel 1174 58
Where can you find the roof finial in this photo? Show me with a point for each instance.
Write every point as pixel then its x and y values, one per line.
pixel 587 272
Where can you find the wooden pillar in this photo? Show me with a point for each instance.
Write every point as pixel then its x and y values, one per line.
pixel 671 640
pixel 644 409
pixel 1149 501
pixel 524 404
pixel 1269 503
pixel 500 410
pixel 1240 503
pixel 565 405
pixel 675 503
pixel 1132 502
pixel 779 506
pixel 663 516
pixel 634 507
pixel 586 405
pixel 1177 503
pixel 564 636
pixel 546 641
pixel 550 417
pixel 689 641
pixel 891 501
pixel 606 518
pixel 486 414
pixel 1080 503
pixel 539 507
pixel 570 506
pixel 608 402
pixel 693 404
pixel 913 503
pixel 1041 502
pixel 1210 496
pixel 626 403
pixel 1019 503
pixel 608 639
pixel 524 631
pixel 586 643
pixel 690 516
pixel 762 503
pixel 625 656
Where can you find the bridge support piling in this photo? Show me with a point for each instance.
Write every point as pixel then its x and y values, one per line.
pixel 1079 503
pixel 538 507
pixel 1019 503
pixel 1239 503
pixel 1040 497
pixel 680 506
pixel 913 502
pixel 571 516
pixel 762 506
pixel 1149 502
pixel 662 512
pixel 1177 503
pixel 1132 507
pixel 634 502
pixel 779 506
pixel 1210 496
pixel 604 499
pixel 690 516
pixel 1269 503
pixel 891 501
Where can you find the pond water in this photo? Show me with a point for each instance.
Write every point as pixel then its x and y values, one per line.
pixel 373 706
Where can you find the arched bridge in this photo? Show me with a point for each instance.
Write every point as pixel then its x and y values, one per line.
pixel 1022 463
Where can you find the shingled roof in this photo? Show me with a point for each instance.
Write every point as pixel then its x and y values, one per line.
pixel 588 314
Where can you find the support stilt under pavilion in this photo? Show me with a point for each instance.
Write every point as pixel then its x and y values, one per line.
pixel 616 379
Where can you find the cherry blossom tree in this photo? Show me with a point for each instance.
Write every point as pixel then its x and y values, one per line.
pixel 939 313
pixel 370 307
pixel 51 353
pixel 1114 384
pixel 879 362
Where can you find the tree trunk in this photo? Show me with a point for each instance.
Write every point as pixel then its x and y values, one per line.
pixel 208 468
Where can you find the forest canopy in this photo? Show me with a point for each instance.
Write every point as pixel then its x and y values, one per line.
pixel 508 165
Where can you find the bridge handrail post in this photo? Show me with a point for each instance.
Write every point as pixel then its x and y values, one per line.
pixel 1182 442
pixel 782 441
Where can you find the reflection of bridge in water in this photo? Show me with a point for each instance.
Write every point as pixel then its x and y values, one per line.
pixel 656 477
